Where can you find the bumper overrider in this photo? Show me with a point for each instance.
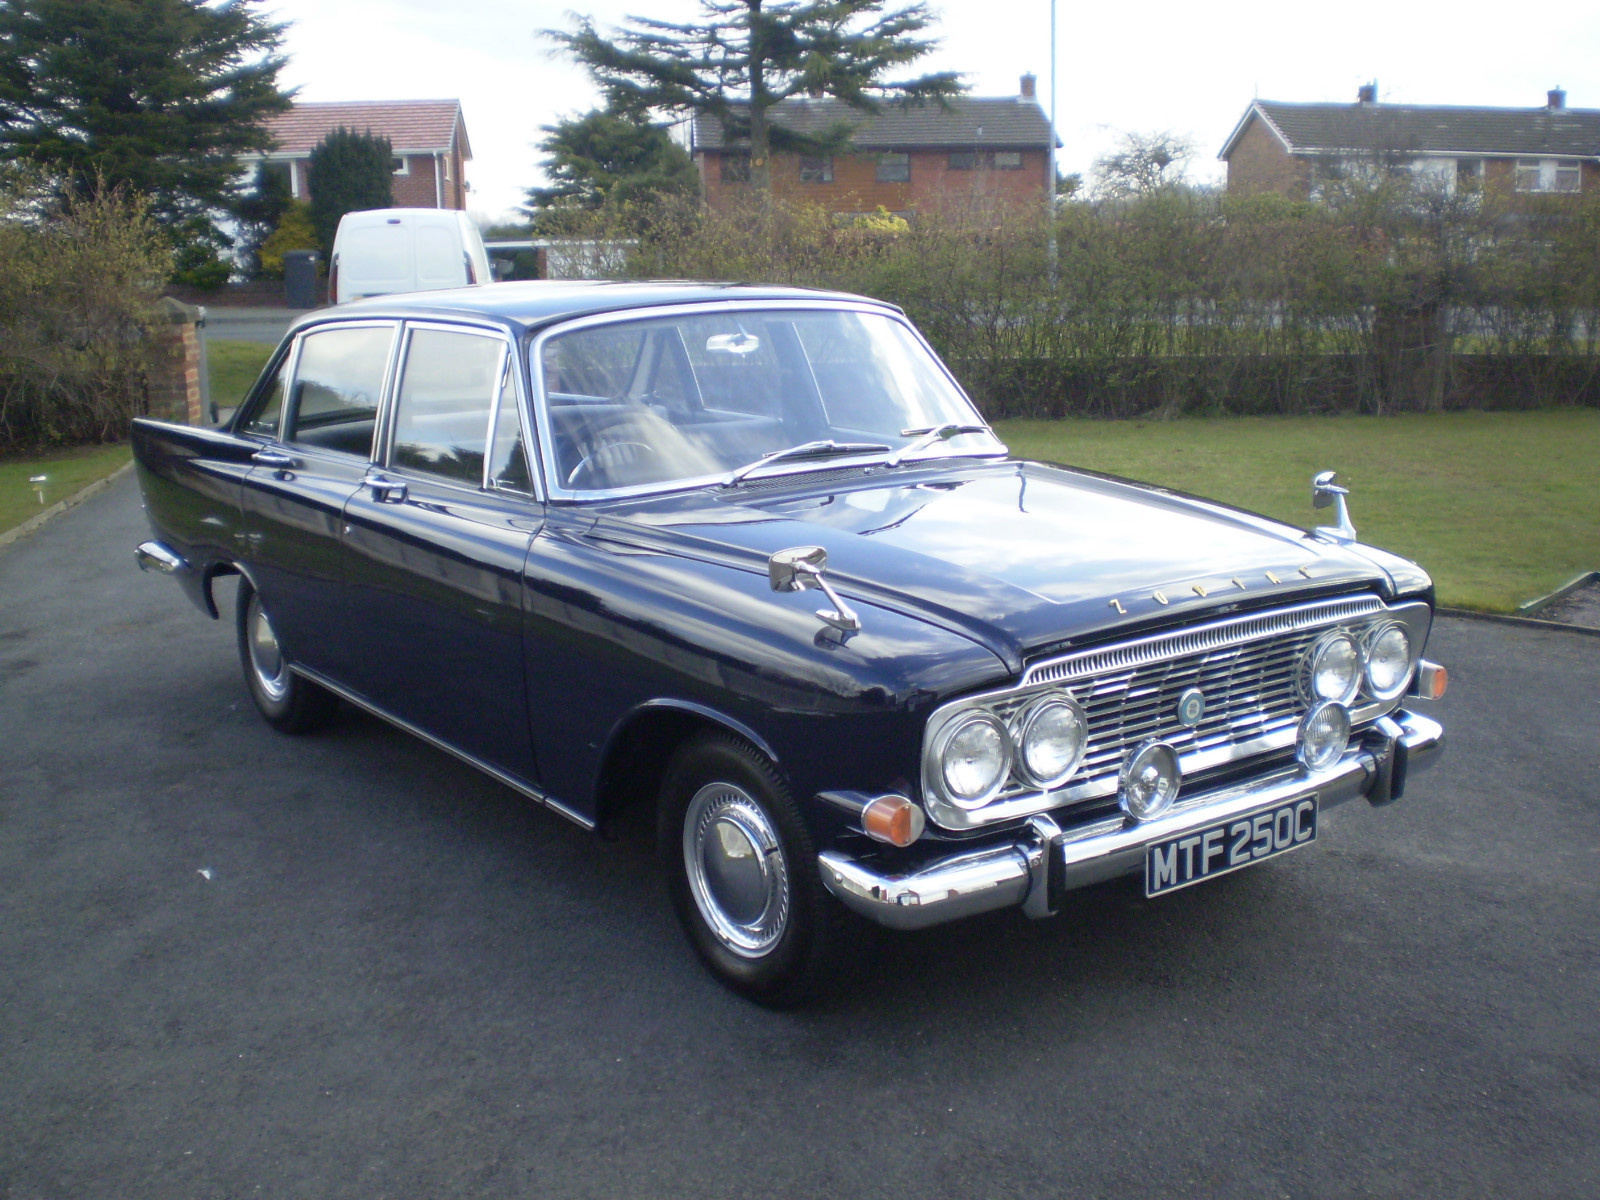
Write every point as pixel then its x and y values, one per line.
pixel 1035 869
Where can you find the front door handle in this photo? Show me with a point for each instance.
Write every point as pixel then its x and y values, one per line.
pixel 385 491
pixel 276 459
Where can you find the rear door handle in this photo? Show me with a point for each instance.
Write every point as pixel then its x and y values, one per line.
pixel 385 491
pixel 275 459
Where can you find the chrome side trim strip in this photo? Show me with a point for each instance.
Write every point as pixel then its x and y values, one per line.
pixel 1197 639
pixel 472 760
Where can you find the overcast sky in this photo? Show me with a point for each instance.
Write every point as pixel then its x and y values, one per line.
pixel 1185 67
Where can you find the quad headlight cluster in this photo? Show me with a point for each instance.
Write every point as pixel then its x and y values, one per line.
pixel 975 753
pixel 1343 664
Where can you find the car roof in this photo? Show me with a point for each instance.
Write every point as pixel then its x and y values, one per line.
pixel 528 305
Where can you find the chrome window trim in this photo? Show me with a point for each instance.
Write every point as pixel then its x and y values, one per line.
pixel 1135 653
pixel 385 459
pixel 535 364
pixel 289 365
pixel 395 327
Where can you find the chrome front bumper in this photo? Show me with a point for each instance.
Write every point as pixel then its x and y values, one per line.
pixel 1037 868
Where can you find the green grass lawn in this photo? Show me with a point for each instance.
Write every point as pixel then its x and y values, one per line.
pixel 234 366
pixel 1498 507
pixel 66 472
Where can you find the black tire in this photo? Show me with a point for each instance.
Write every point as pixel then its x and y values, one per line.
pixel 285 701
pixel 762 922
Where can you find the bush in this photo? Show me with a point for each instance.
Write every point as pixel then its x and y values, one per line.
pixel 294 232
pixel 1375 299
pixel 79 277
pixel 348 172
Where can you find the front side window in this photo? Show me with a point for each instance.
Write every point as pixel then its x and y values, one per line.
pixel 269 411
pixel 816 169
pixel 894 168
pixel 692 397
pixel 337 382
pixel 448 385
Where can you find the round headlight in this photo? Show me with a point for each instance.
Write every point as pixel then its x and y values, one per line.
pixel 1324 734
pixel 1052 734
pixel 1333 668
pixel 974 758
pixel 1149 782
pixel 1388 661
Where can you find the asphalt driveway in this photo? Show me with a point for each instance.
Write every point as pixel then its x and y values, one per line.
pixel 238 964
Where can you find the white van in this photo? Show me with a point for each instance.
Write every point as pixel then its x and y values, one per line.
pixel 385 250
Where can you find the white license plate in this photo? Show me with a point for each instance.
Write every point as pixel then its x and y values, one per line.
pixel 1229 846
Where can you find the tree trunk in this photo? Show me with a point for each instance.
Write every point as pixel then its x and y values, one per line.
pixel 760 158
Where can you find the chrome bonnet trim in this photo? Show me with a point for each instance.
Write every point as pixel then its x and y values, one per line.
pixel 1197 639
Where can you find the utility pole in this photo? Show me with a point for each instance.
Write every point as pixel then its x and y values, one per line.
pixel 1050 190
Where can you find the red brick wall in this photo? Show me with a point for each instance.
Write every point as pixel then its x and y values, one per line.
pixel 855 187
pixel 172 382
pixel 1259 163
pixel 416 189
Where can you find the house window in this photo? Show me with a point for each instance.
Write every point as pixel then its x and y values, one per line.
pixel 400 165
pixel 1008 160
pixel 1469 175
pixel 816 169
pixel 735 168
pixel 1548 175
pixel 894 168
pixel 963 160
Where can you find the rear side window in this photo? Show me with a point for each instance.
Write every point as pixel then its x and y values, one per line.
pixel 337 382
pixel 447 391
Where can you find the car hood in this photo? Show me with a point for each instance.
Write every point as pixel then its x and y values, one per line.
pixel 1023 557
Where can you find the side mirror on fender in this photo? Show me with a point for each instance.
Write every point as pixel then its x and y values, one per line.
pixel 800 568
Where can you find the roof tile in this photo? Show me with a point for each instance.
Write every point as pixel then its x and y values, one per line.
pixel 412 126
pixel 1437 129
pixel 1006 121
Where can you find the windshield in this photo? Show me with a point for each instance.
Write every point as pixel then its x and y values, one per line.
pixel 699 395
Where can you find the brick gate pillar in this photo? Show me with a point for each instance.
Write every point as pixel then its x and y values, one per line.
pixel 173 376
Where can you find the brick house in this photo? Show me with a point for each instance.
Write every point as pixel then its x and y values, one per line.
pixel 428 137
pixel 905 159
pixel 1287 148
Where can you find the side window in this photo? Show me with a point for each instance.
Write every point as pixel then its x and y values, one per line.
pixel 269 410
pixel 447 388
pixel 334 402
pixel 508 455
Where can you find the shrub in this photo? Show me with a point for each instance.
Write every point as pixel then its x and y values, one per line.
pixel 79 276
pixel 294 232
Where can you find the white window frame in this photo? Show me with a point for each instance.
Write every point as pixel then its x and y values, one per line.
pixel 405 165
pixel 1549 177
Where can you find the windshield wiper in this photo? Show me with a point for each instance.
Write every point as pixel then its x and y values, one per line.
pixel 824 449
pixel 930 435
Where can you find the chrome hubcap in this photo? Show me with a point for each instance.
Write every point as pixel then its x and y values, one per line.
pixel 736 869
pixel 266 660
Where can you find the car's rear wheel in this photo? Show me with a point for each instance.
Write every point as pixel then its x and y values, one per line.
pixel 288 702
pixel 741 870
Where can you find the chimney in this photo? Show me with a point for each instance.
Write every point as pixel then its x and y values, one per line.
pixel 1367 93
pixel 1556 100
pixel 1030 86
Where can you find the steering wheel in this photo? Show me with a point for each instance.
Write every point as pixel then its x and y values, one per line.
pixel 608 457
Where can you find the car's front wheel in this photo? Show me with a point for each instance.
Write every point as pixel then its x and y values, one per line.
pixel 742 874
pixel 288 702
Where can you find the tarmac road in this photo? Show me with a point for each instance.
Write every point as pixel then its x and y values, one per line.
pixel 235 964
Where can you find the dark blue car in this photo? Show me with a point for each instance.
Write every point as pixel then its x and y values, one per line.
pixel 749 555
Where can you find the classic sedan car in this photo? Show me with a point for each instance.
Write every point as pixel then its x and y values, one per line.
pixel 750 555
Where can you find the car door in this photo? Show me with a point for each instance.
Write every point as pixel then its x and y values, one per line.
pixel 435 546
pixel 316 423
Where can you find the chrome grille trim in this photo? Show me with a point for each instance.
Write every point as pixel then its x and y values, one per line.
pixel 1214 635
pixel 1247 666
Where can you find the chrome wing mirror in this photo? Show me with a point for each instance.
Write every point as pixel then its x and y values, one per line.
pixel 1325 493
pixel 801 568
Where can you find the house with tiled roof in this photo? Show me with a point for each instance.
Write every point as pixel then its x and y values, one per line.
pixel 428 138
pixel 904 158
pixel 1288 148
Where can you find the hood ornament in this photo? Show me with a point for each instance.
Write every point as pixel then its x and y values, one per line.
pixel 799 569
pixel 1324 494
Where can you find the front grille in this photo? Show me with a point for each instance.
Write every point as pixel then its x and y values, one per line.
pixel 1252 701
